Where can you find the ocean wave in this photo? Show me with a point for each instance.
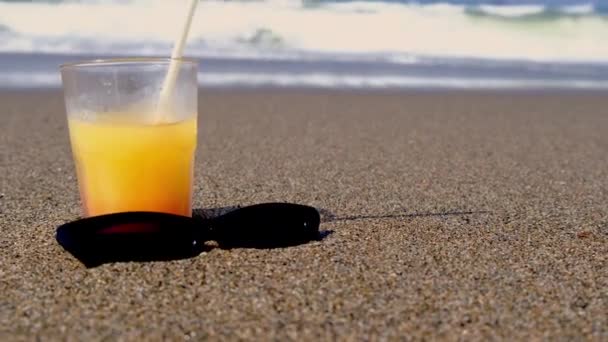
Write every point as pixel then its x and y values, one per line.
pixel 511 11
pixel 327 80
pixel 540 13
pixel 299 29
pixel 584 9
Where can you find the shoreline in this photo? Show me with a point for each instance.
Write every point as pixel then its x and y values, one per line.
pixel 42 70
pixel 213 90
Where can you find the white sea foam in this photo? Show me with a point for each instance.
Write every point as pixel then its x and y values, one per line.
pixel 584 9
pixel 512 11
pixel 329 80
pixel 29 79
pixel 295 29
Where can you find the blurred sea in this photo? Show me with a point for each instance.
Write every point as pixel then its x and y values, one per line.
pixel 319 43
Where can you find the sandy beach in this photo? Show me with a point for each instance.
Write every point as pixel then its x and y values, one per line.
pixel 452 215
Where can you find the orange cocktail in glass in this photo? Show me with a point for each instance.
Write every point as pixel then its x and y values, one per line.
pixel 128 156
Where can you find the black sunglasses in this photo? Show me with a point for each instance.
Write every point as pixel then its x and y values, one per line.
pixel 147 236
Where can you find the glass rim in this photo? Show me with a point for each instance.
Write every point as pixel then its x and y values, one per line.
pixel 121 61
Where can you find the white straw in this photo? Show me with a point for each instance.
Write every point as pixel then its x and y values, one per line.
pixel 174 64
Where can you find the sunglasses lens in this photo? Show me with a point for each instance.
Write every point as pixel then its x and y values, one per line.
pixel 136 236
pixel 267 225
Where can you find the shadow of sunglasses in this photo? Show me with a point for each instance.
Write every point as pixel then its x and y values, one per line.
pixel 151 236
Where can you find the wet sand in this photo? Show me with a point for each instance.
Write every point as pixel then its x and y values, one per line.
pixel 452 215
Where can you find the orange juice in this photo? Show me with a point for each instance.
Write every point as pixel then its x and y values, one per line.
pixel 125 166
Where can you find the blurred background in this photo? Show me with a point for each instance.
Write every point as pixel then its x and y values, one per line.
pixel 471 44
